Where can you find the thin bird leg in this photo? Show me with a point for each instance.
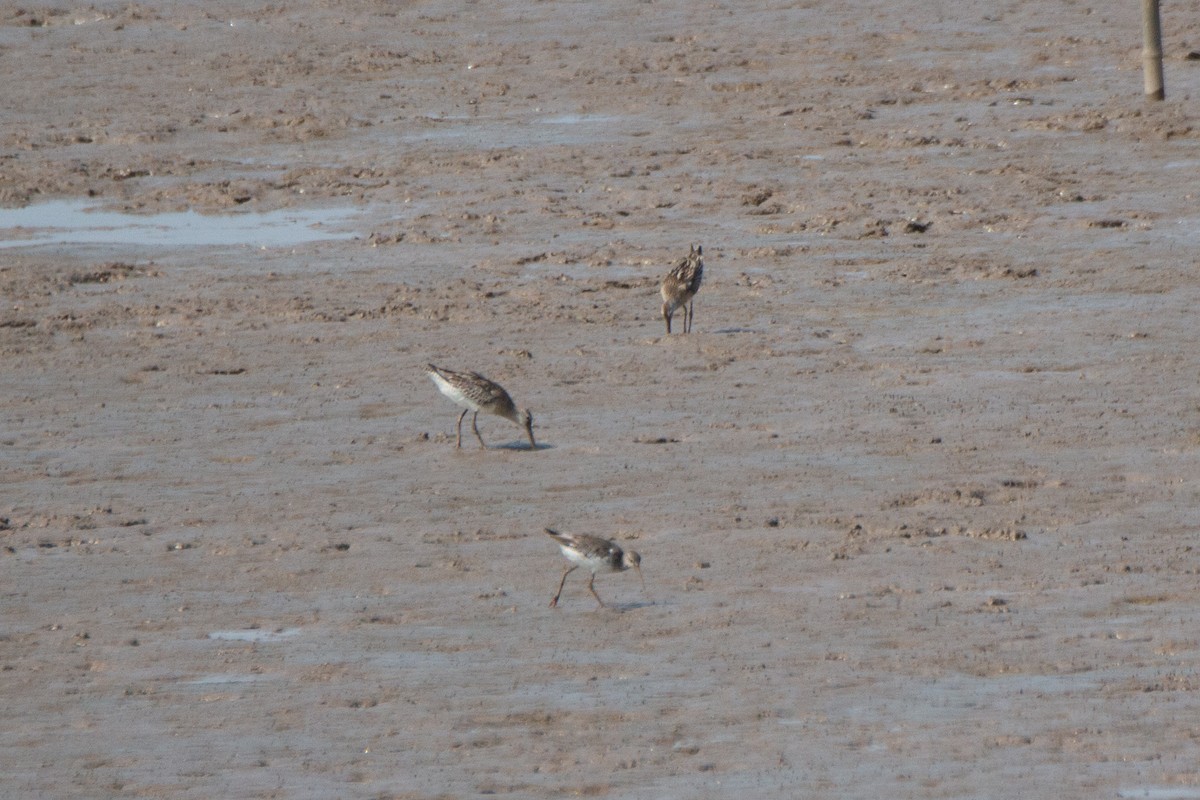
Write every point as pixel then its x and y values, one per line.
pixel 475 428
pixel 569 570
pixel 667 317
pixel 592 589
pixel 460 419
pixel 690 309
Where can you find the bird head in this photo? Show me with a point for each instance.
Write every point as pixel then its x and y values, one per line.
pixel 630 559
pixel 527 423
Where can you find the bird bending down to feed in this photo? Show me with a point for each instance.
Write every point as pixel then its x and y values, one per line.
pixel 680 286
pixel 596 554
pixel 476 393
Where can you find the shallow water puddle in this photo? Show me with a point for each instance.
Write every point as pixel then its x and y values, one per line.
pixel 218 680
pixel 255 635
pixel 523 132
pixel 76 222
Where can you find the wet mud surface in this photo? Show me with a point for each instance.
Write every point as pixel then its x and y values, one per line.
pixel 916 499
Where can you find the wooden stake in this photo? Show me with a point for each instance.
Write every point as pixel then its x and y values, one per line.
pixel 1152 68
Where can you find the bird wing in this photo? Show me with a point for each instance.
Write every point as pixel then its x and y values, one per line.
pixel 488 391
pixel 585 543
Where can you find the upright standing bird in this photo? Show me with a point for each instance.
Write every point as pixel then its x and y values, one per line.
pixel 477 393
pixel 680 286
pixel 583 550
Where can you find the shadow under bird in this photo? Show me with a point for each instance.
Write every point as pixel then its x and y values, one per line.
pixel 476 393
pixel 681 285
pixel 584 550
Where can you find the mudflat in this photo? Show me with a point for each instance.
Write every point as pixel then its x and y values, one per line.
pixel 916 499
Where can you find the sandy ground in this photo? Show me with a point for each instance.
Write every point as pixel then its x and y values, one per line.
pixel 916 501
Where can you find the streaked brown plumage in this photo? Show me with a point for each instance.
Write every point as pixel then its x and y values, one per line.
pixel 585 550
pixel 680 286
pixel 477 393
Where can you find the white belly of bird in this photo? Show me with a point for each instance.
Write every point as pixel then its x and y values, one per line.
pixel 453 392
pixel 575 557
